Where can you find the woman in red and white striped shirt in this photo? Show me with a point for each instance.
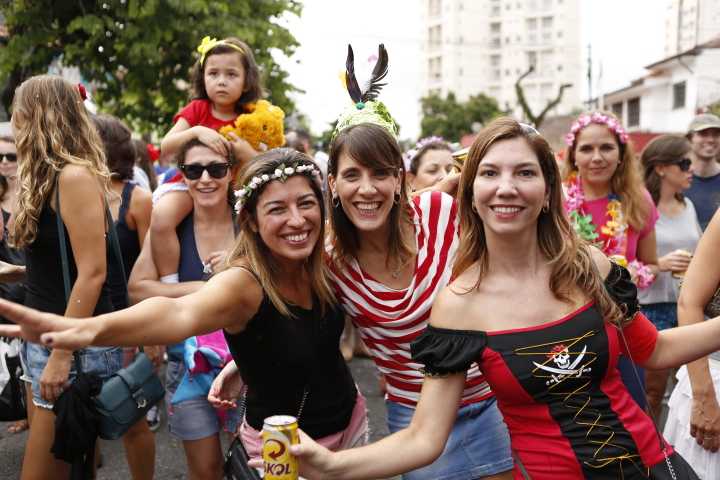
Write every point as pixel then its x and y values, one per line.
pixel 388 257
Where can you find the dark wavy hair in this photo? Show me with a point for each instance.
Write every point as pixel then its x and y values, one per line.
pixel 119 146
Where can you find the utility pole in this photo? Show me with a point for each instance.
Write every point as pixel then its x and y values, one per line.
pixel 589 77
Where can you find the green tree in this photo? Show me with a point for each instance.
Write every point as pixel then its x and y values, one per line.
pixel 450 119
pixel 139 52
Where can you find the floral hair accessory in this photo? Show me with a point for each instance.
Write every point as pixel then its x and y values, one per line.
pixel 83 92
pixel 612 124
pixel 153 152
pixel 208 45
pixel 281 173
pixel 433 138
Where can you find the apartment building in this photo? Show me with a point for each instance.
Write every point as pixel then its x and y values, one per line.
pixel 484 46
pixel 689 23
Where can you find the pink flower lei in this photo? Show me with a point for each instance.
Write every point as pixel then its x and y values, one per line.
pixel 584 120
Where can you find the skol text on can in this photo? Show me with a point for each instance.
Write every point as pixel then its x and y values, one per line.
pixel 279 432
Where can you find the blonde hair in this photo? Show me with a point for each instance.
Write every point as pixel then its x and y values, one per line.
pixel 627 181
pixel 54 130
pixel 250 246
pixel 571 262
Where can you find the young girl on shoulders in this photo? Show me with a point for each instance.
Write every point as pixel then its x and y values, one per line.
pixel 226 79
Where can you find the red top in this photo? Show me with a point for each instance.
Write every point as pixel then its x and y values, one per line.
pixel 199 112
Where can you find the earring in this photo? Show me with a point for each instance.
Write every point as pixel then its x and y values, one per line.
pixel 336 205
pixel 546 207
pixel 396 199
pixel 619 162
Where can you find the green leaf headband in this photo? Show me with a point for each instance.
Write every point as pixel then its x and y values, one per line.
pixel 208 45
pixel 281 173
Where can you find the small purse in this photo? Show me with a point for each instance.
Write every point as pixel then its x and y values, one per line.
pixel 712 309
pixel 130 392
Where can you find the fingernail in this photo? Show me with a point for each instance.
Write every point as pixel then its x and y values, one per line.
pixel 215 392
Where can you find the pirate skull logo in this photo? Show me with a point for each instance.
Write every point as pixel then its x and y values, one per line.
pixel 560 356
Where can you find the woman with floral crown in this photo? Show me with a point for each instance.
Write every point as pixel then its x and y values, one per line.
pixel 609 207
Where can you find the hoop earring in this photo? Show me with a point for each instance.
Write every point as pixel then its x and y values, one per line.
pixel 336 205
pixel 546 207
pixel 396 199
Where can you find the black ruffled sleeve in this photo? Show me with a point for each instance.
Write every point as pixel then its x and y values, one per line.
pixel 447 352
pixel 623 291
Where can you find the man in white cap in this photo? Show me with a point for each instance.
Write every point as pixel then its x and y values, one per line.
pixel 704 136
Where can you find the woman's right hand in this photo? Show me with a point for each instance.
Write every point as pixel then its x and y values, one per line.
pixel 226 387
pixel 314 459
pixel 54 378
pixel 216 142
pixel 705 422
pixel 674 261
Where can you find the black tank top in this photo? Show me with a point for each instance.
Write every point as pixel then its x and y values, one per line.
pixel 275 355
pixel 44 275
pixel 129 249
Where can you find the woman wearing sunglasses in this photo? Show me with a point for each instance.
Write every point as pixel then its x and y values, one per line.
pixel 668 171
pixel 205 236
pixel 609 207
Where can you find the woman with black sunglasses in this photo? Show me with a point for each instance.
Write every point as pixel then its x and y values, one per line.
pixel 668 171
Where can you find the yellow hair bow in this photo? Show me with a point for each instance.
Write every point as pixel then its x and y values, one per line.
pixel 208 45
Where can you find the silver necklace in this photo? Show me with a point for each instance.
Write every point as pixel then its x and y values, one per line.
pixel 207 268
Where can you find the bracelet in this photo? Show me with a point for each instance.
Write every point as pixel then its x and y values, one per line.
pixel 645 276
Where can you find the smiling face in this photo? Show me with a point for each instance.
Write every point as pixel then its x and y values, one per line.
pixel 366 194
pixel 597 156
pixel 288 218
pixel 434 166
pixel 224 76
pixel 509 190
pixel 8 169
pixel 706 144
pixel 207 191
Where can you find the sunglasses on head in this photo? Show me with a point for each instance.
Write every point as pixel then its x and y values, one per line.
pixel 193 171
pixel 683 163
pixel 11 157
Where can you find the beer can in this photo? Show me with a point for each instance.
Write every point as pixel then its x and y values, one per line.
pixel 279 432
pixel 680 274
pixel 458 159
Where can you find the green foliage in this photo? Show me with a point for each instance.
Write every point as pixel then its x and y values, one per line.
pixel 139 52
pixel 451 120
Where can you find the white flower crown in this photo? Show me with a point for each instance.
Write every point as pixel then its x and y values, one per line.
pixel 281 173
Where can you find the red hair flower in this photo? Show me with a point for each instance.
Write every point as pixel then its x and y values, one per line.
pixel 83 92
pixel 153 152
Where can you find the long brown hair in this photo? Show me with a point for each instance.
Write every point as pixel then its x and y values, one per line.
pixel 626 183
pixel 250 246
pixel 571 262
pixel 662 150
pixel 371 146
pixel 54 130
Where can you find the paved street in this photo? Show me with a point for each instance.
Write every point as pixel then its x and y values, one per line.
pixel 170 459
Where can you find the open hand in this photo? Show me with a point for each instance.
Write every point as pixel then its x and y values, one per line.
pixel 226 388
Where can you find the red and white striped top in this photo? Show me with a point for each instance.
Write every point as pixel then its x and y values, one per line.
pixel 389 319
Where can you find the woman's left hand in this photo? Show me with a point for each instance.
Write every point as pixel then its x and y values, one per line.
pixel 244 152
pixel 215 258
pixel 705 423
pixel 153 353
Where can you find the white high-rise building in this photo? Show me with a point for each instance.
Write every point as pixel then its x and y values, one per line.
pixel 484 46
pixel 689 23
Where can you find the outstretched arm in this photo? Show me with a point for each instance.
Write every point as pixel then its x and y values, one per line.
pixel 227 300
pixel 416 446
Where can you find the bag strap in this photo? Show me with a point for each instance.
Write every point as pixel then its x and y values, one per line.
pixel 65 262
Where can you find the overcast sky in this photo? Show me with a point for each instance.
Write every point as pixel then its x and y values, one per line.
pixel 625 34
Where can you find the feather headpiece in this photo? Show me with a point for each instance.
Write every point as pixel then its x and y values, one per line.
pixel 364 92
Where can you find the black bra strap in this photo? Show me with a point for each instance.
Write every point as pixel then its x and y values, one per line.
pixel 250 272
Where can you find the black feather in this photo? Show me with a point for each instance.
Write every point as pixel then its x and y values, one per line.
pixel 352 83
pixel 378 73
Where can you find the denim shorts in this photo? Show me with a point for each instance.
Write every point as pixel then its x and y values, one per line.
pixel 101 360
pixel 663 315
pixel 479 443
pixel 194 418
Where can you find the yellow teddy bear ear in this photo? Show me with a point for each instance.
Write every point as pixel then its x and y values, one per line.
pixel 343 79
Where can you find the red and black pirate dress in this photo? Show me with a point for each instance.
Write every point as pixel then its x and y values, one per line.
pixel 567 411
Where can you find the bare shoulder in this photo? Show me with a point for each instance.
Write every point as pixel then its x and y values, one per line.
pixel 76 176
pixel 602 261
pixel 235 289
pixel 141 196
pixel 450 305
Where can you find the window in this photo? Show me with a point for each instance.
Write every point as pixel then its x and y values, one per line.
pixel 547 38
pixel 495 42
pixel 532 24
pixel 616 108
pixel 495 11
pixel 494 92
pixel 495 76
pixel 679 95
pixel 633 107
pixel 546 90
pixel 547 22
pixel 547 4
pixel 494 60
pixel 532 58
pixel 495 28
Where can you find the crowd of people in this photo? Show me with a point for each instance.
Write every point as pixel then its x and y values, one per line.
pixel 522 301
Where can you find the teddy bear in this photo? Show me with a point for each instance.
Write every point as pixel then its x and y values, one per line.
pixel 261 126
